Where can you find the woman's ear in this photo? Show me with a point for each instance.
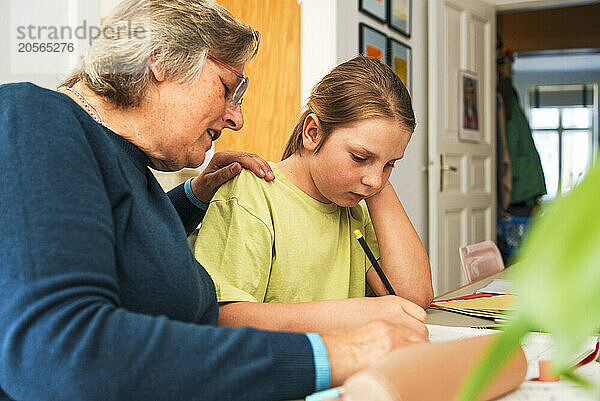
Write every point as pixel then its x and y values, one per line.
pixel 311 132
pixel 156 69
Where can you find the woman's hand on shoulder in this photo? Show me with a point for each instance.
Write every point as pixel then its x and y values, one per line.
pixel 224 166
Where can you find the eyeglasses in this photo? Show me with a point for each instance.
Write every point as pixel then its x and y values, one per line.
pixel 240 90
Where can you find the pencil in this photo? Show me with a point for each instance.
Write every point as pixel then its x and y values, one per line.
pixel 380 273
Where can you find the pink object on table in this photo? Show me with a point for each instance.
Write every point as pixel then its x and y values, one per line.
pixel 480 260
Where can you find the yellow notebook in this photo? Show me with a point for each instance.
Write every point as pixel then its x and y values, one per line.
pixel 489 306
pixel 493 303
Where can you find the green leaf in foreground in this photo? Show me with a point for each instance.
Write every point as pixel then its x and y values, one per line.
pixel 558 279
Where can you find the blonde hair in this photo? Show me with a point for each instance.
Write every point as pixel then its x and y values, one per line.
pixel 355 90
pixel 178 34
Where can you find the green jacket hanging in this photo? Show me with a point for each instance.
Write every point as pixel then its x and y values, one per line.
pixel 527 175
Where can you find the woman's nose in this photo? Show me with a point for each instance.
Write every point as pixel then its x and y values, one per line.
pixel 234 119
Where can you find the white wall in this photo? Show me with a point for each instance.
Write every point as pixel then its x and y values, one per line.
pixel 318 42
pixel 106 6
pixel 330 28
pixel 46 69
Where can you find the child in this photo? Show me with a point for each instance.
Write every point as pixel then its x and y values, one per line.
pixel 282 253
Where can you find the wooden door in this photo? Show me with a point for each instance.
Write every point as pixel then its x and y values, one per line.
pixel 272 103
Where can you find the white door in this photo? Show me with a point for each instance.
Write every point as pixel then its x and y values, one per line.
pixel 462 183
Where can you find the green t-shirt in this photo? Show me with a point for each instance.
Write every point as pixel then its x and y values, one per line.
pixel 270 242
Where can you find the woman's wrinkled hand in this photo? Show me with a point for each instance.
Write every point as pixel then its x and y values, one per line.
pixel 224 166
pixel 359 348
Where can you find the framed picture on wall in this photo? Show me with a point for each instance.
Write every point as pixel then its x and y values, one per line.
pixel 374 8
pixel 400 59
pixel 469 128
pixel 372 43
pixel 400 16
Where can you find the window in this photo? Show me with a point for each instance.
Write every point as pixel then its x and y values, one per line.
pixel 561 120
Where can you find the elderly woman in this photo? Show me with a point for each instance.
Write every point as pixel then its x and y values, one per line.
pixel 102 297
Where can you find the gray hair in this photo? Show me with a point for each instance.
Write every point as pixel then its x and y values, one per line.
pixel 177 34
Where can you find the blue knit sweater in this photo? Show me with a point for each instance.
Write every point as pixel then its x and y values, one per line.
pixel 101 297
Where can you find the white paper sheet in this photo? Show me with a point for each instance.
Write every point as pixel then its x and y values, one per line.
pixel 558 391
pixel 536 346
pixel 498 286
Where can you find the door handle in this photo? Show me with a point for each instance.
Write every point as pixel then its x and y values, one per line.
pixel 444 167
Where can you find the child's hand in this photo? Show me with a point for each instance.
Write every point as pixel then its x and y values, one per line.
pixel 355 312
pixel 394 305
pixel 395 310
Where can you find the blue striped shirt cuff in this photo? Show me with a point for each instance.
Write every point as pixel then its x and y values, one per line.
pixel 190 194
pixel 322 373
